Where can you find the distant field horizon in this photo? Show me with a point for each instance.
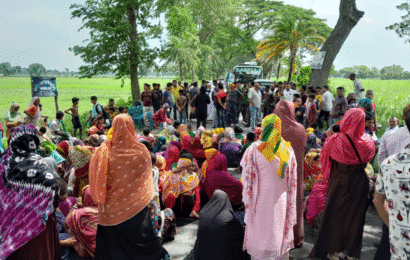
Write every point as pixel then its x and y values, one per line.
pixel 391 96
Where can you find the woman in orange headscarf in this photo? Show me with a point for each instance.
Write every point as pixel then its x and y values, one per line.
pixel 121 183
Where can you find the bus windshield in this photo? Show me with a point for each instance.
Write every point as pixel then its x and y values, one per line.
pixel 247 73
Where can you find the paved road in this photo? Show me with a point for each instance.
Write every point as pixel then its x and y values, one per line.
pixel 182 247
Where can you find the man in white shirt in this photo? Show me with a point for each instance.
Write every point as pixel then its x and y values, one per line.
pixel 55 128
pixel 392 188
pixel 288 92
pixel 393 125
pixel 255 101
pixel 325 106
pixel 392 143
pixel 358 88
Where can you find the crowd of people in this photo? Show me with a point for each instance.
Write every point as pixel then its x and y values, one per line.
pixel 118 193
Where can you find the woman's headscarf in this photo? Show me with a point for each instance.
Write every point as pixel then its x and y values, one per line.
pixel 86 198
pixel 12 115
pixel 77 141
pixel 208 164
pixel 220 234
pixel 62 148
pixel 117 154
pixel 229 134
pixel 273 145
pixel 160 142
pixel 312 143
pixel 182 128
pixel 83 223
pixel 258 132
pixel 37 114
pixel 94 140
pixel 173 143
pixel 195 151
pixel 173 156
pixel 338 148
pixel 52 165
pixel 168 135
pixel 28 190
pixel 207 139
pixel 366 103
pixel 199 131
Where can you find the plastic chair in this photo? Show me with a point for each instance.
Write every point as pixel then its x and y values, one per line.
pixel 151 122
pixel 137 116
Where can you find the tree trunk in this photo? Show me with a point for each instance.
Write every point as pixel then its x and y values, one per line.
pixel 292 59
pixel 193 75
pixel 180 71
pixel 135 87
pixel 348 18
pixel 278 71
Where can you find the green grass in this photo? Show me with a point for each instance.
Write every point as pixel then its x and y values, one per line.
pixel 390 96
pixel 18 90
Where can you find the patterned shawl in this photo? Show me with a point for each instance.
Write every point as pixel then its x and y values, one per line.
pixel 210 156
pixel 207 139
pixel 181 181
pixel 34 112
pixel 28 191
pixel 273 145
pixel 12 115
pixel 160 142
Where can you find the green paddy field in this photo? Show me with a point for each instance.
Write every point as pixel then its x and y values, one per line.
pixel 390 95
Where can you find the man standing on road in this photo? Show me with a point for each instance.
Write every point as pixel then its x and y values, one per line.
pixel 339 107
pixel 358 88
pixel 325 106
pixel 175 93
pixel 245 104
pixel 255 101
pixel 288 92
pixel 392 143
pixel 392 188
pixel 147 97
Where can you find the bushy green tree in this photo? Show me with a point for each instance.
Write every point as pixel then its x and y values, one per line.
pixel 36 70
pixel 403 28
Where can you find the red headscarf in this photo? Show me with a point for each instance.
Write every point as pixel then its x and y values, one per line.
pixel 339 149
pixel 173 157
pixel 258 132
pixel 187 145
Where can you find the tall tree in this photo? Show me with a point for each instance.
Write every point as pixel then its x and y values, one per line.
pixel 36 70
pixel 118 31
pixel 6 69
pixel 289 34
pixel 349 16
pixel 403 28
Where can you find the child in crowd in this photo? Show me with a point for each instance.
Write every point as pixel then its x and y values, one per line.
pixel 146 136
pixel 182 105
pixel 316 130
pixel 295 99
pixel 191 131
pixel 75 118
pixel 238 133
pixel 312 112
pixel 155 172
pixel 123 110
pixel 46 144
pixel 250 138
pixel 299 111
pixel 368 124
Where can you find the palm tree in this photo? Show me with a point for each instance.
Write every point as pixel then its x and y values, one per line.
pixel 182 51
pixel 289 34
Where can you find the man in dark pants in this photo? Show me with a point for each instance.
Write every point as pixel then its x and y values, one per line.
pixel 244 108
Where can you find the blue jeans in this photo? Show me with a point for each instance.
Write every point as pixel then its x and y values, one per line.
pixel 175 112
pixel 255 114
pixel 220 115
pixel 182 116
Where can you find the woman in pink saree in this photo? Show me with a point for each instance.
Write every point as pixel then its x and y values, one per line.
pixel 83 225
pixel 269 194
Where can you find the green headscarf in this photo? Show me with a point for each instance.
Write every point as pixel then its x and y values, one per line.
pixel 12 115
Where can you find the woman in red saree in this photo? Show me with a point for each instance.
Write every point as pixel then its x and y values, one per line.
pixel 83 225
pixel 343 193
pixel 215 175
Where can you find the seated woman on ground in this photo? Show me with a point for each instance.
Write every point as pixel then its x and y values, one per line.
pixel 160 116
pixel 181 188
pixel 97 126
pixel 231 148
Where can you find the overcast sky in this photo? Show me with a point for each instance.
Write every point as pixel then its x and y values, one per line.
pixel 42 31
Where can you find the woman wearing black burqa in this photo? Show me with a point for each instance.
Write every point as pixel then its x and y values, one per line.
pixel 220 234
pixel 201 107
